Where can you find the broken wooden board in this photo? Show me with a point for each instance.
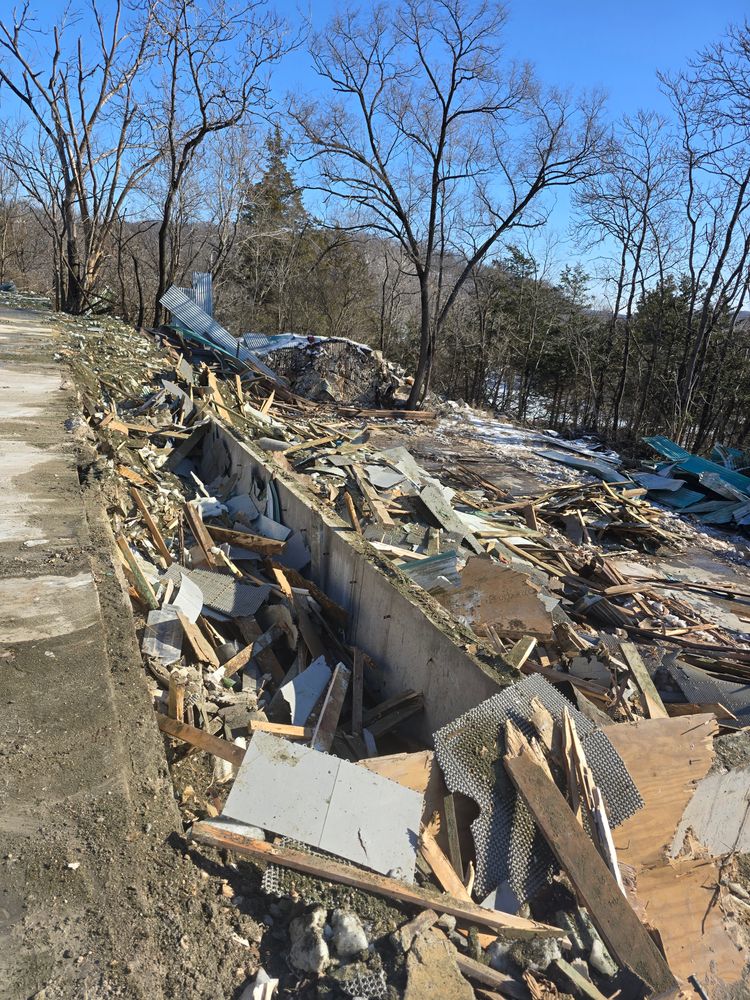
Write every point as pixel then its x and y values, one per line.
pixel 652 703
pixel 622 931
pixel 666 758
pixel 201 739
pixel 328 720
pixel 215 835
pixel 254 543
pixel 413 770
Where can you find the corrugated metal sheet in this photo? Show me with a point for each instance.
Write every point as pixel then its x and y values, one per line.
pixel 196 319
pixel 203 291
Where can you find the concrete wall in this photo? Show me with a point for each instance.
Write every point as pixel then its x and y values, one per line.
pixel 410 637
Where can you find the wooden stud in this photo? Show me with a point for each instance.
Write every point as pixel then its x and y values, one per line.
pixel 201 739
pixel 334 871
pixel 622 932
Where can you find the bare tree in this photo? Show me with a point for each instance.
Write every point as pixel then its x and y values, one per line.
pixel 214 59
pixel 712 104
pixel 82 92
pixel 438 142
pixel 624 206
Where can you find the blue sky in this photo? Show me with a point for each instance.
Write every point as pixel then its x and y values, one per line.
pixel 581 44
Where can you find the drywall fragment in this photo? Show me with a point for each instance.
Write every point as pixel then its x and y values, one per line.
pixel 326 802
pixel 303 691
pixel 189 599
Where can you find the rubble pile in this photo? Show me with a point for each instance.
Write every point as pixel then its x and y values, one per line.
pixel 334 370
pixel 536 845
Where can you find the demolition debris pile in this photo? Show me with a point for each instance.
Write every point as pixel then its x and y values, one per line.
pixel 557 839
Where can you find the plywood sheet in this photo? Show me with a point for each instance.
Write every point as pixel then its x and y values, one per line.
pixel 666 759
pixel 492 594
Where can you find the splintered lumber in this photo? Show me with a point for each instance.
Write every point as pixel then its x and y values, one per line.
pixel 652 703
pixel 441 867
pixel 200 739
pixel 378 508
pixel 487 976
pixel 200 532
pixel 255 543
pixel 521 651
pixel 214 835
pixel 132 476
pixel 144 588
pixel 583 986
pixel 280 729
pixel 184 449
pixel 332 610
pixel 239 660
pixel 202 649
pixel 151 525
pixel 328 719
pixel 352 512
pixel 622 932
pixel 177 687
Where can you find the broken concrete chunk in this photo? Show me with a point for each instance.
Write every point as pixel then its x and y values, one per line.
pixel 309 951
pixel 535 954
pixel 431 970
pixel 349 938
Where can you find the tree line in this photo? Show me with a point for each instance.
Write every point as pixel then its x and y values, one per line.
pixel 405 202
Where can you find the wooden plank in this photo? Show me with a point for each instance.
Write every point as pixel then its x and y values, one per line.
pixel 333 871
pixel 391 713
pixel 652 703
pixel 487 976
pixel 328 720
pixel 622 932
pixel 133 477
pixel 255 543
pixel 352 512
pixel 200 532
pixel 144 588
pixel 280 729
pixel 239 660
pixel 521 651
pixel 441 867
pixel 184 449
pixel 176 704
pixel 378 508
pixel 201 739
pixel 680 708
pixel 151 525
pixel 583 987
pixel 202 649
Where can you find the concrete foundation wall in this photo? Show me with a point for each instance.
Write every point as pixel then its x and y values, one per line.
pixel 406 632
